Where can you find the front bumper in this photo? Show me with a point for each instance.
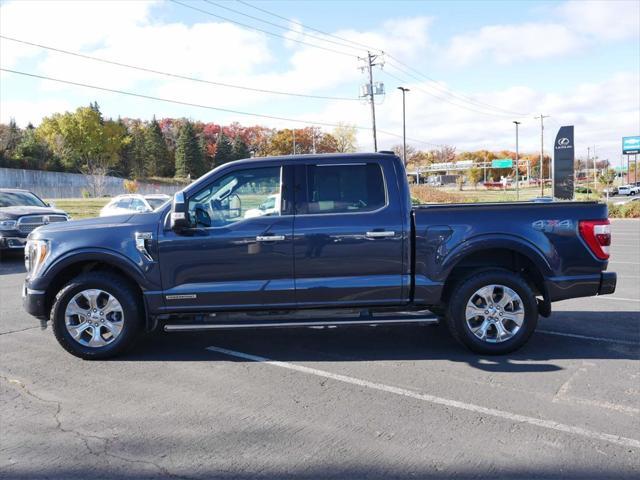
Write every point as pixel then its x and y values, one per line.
pixel 33 301
pixel 12 242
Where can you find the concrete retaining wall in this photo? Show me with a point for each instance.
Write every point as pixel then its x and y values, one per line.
pixel 70 185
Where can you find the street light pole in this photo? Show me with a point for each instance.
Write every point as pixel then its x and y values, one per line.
pixel 517 162
pixel 404 126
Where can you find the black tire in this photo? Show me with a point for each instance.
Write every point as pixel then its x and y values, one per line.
pixel 466 288
pixel 118 287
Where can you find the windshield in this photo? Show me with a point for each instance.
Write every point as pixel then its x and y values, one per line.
pixel 156 202
pixel 18 199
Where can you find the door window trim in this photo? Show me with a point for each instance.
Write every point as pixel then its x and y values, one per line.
pixel 305 189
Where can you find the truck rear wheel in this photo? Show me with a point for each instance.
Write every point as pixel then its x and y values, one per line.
pixel 492 312
pixel 96 316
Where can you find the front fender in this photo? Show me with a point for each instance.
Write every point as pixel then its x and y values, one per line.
pixel 137 272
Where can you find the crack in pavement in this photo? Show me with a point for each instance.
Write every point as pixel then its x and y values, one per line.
pixel 84 437
pixel 16 331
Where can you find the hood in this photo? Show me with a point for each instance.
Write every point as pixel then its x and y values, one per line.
pixel 13 213
pixel 96 223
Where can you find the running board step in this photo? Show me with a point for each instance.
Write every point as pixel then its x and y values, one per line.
pixel 356 321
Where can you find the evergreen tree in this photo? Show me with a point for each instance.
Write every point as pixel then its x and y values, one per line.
pixel 240 149
pixel 96 108
pixel 136 153
pixel 224 149
pixel 188 153
pixel 157 161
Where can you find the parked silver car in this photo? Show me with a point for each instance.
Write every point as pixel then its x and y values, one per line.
pixel 133 203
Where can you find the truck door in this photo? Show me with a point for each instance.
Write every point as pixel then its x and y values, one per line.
pixel 348 235
pixel 239 253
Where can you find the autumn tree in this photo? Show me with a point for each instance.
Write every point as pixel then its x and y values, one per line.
pixel 188 153
pixel 474 174
pixel 345 136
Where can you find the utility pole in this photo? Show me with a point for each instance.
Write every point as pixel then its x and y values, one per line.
pixel 595 169
pixel 294 141
pixel 587 168
pixel 541 176
pixel 517 162
pixel 404 126
pixel 313 139
pixel 370 63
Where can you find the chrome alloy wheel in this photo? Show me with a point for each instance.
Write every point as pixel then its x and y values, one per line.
pixel 494 313
pixel 94 318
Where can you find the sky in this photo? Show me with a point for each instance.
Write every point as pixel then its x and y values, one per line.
pixel 472 67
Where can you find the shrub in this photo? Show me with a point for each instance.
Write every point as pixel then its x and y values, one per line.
pixel 627 210
pixel 427 194
pixel 85 193
pixel 130 186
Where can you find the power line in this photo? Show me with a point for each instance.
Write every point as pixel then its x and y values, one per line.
pixel 206 12
pixel 197 105
pixel 442 99
pixel 341 44
pixel 436 85
pixel 445 90
pixel 361 45
pixel 175 75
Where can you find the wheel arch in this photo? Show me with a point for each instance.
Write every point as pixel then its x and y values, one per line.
pixel 512 254
pixel 76 263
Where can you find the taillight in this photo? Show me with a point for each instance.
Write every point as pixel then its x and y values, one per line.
pixel 597 235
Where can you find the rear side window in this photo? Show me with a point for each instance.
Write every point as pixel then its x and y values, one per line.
pixel 344 189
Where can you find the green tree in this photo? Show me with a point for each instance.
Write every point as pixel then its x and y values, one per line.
pixel 136 152
pixel 474 174
pixel 33 153
pixel 157 157
pixel 188 153
pixel 10 136
pixel 83 140
pixel 239 150
pixel 224 149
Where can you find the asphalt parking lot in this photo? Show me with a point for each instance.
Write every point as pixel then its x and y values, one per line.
pixel 403 402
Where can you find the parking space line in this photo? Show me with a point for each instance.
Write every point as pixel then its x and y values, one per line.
pixel 624 263
pixel 587 337
pixel 513 417
pixel 609 297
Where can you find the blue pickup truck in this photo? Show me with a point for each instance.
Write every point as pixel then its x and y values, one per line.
pixel 314 240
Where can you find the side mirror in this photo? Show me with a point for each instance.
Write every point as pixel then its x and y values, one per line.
pixel 179 215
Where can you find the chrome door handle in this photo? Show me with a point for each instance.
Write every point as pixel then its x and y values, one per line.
pixel 270 238
pixel 380 234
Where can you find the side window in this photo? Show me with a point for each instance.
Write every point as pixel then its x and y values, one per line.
pixel 137 204
pixel 344 188
pixel 124 203
pixel 241 194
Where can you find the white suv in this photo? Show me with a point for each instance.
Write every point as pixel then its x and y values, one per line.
pixel 133 203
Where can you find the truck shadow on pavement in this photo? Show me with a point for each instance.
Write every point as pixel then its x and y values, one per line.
pixel 370 344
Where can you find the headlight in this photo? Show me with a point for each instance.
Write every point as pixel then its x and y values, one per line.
pixel 8 224
pixel 35 253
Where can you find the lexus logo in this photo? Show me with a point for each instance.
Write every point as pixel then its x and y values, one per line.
pixel 563 142
pixel 45 220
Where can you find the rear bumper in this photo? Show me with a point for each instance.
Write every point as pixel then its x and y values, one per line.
pixel 33 301
pixel 608 282
pixel 563 288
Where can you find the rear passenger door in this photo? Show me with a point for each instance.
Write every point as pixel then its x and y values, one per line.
pixel 348 235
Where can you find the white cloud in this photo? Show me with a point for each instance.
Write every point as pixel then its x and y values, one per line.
pixel 573 25
pixel 508 43
pixel 608 20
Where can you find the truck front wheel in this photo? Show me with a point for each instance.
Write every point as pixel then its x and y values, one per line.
pixel 492 312
pixel 96 316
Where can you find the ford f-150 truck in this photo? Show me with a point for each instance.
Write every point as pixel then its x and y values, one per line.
pixel 344 246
